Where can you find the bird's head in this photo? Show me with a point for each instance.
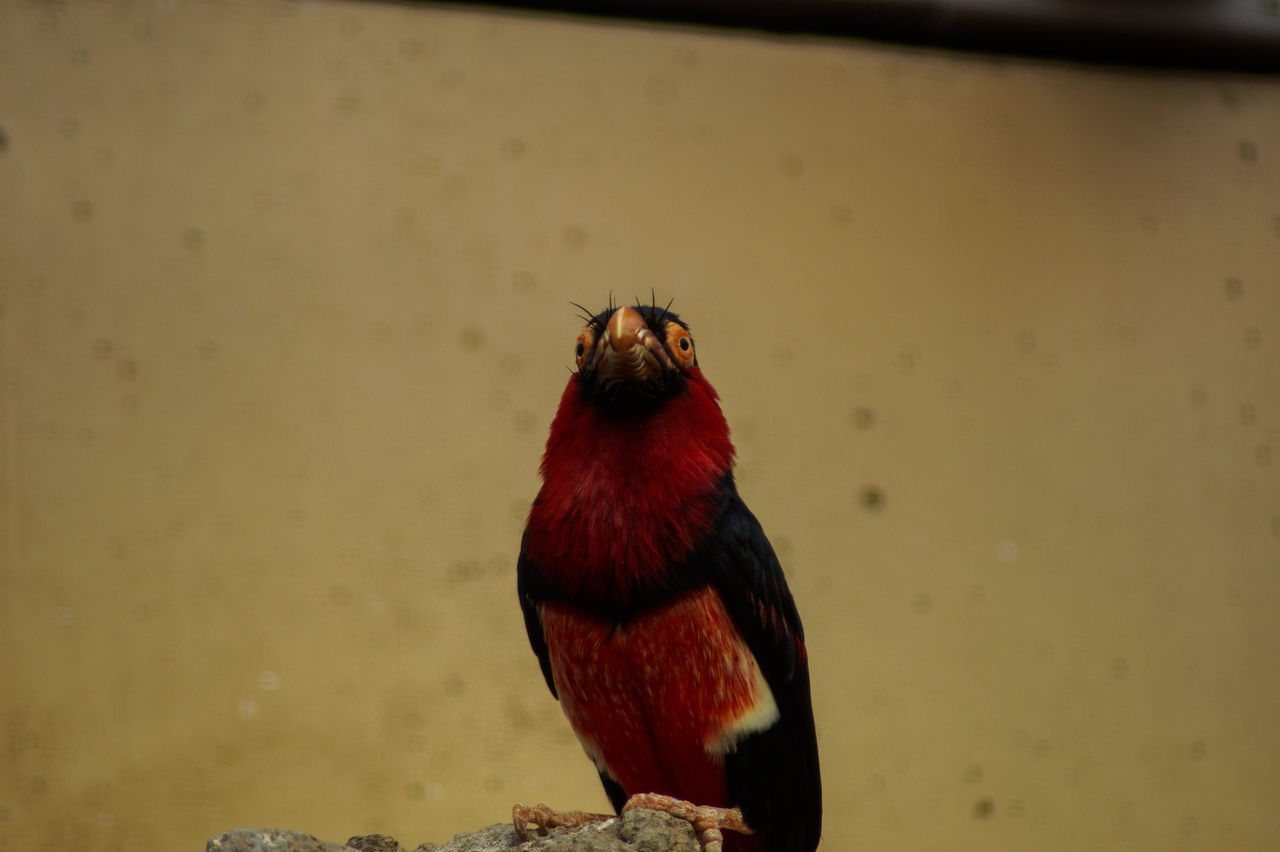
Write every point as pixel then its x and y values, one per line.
pixel 632 358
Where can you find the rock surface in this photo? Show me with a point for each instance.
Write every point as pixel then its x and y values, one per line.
pixel 635 831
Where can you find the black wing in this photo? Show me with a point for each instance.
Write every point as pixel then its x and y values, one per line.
pixel 773 775
pixel 527 588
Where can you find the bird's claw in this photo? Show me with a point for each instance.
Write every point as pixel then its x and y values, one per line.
pixel 532 821
pixel 707 821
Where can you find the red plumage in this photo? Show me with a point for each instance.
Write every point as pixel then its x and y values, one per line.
pixel 652 599
pixel 602 473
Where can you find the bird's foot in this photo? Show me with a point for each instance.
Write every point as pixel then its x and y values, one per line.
pixel 536 820
pixel 707 821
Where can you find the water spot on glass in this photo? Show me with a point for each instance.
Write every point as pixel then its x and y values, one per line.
pixel 1229 97
pixel 248 708
pixel 1007 551
pixel 413 791
pixel 39 786
pixel 1119 668
pixel 510 363
pixel 1247 151
pixel 1199 397
pixel 1017 807
pixel 1252 338
pixel 207 349
pixel 524 282
pixel 69 128
pixel 465 570
pixel 411 48
pixel 834 74
pixel 983 808
pixel 513 147
pixel 127 370
pixel 472 338
pixel 451 78
pixel 1248 414
pixel 908 360
pixel 85 437
pixel 351 28
pixel 1046 653
pixel 872 498
pixel 922 603
pixel 841 215
pixel 574 237
pixel 63 616
pixel 791 167
pixel 1026 343
pixel 82 211
pixel 80 57
pixel 687 57
pixel 374 605
pixel 1262 455
pixel 862 417
pixel 973 774
pixel 1234 288
pixel 782 356
pixel 661 89
pixel 348 103
pixel 193 238
pixel 268 681
pixel 4 141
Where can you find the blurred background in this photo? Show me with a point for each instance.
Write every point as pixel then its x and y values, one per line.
pixel 284 316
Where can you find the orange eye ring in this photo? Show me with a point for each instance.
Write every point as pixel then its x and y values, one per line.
pixel 582 349
pixel 680 344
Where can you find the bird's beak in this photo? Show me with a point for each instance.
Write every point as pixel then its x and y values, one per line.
pixel 629 350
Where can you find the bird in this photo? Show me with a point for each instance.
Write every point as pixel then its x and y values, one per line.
pixel 656 606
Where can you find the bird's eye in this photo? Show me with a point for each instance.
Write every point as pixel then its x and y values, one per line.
pixel 680 343
pixel 581 349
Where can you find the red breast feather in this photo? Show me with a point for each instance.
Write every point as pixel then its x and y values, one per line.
pixel 623 496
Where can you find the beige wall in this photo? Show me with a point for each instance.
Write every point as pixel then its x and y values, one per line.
pixel 285 317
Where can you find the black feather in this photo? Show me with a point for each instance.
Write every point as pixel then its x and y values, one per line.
pixel 773 775
pixel 530 597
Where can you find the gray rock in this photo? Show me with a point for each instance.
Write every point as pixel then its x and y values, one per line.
pixel 270 840
pixel 635 831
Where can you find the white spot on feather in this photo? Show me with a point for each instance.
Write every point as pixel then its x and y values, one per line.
pixel 760 716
